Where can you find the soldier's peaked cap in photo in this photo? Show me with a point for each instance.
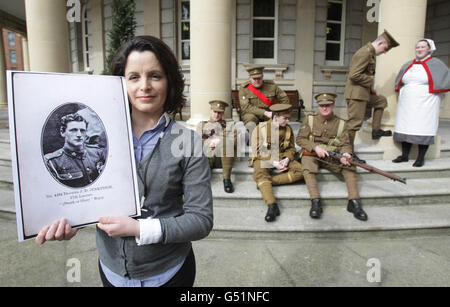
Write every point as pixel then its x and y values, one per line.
pixel 325 98
pixel 218 105
pixel 390 39
pixel 255 71
pixel 281 108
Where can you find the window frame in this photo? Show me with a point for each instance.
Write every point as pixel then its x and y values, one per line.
pixel 12 56
pixel 11 39
pixel 273 60
pixel 85 37
pixel 340 62
pixel 179 38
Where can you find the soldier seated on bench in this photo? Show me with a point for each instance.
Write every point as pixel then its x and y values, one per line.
pixel 257 95
pixel 219 141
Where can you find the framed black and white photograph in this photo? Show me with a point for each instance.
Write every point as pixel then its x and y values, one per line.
pixel 72 150
pixel 74 145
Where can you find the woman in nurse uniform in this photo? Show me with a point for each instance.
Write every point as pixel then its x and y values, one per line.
pixel 422 83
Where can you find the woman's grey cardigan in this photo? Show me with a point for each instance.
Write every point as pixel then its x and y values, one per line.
pixel 179 194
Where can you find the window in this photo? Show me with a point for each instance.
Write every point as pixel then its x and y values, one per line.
pixel 184 37
pixel 85 39
pixel 264 31
pixel 335 36
pixel 12 57
pixel 11 39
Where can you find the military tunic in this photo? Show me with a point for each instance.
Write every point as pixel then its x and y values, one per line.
pixel 222 156
pixel 360 92
pixel 329 134
pixel 252 108
pixel 266 148
pixel 76 169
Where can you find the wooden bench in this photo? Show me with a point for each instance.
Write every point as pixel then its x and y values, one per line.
pixel 294 98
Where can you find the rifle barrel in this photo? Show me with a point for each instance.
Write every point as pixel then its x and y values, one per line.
pixel 365 166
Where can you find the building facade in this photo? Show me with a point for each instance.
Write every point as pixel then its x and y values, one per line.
pixel 305 45
pixel 12 43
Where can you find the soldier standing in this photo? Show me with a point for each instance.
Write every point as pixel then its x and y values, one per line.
pixel 77 164
pixel 257 95
pixel 219 139
pixel 359 89
pixel 320 133
pixel 273 148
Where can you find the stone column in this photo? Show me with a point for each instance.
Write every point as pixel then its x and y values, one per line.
pixel 210 56
pixel 3 98
pixel 26 56
pixel 405 20
pixel 152 18
pixel 48 35
pixel 304 50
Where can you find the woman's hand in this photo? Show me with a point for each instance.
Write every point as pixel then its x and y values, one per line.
pixel 119 226
pixel 59 230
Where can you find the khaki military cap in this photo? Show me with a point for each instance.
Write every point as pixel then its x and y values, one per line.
pixel 281 108
pixel 218 105
pixel 255 71
pixel 390 39
pixel 325 98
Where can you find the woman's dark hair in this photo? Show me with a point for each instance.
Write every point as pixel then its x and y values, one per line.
pixel 175 86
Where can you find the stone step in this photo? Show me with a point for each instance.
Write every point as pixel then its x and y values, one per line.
pixel 5 153
pixel 422 204
pixel 242 172
pixel 334 193
pixel 6 177
pixel 334 219
pixel 7 201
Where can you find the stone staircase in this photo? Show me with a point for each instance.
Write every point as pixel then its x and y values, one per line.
pixel 423 203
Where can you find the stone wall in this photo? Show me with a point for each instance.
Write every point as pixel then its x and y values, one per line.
pixel 437 28
pixel 169 23
pixel 286 39
pixel 332 78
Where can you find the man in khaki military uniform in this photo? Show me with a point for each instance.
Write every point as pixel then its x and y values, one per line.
pixel 257 95
pixel 219 141
pixel 359 89
pixel 320 133
pixel 273 148
pixel 76 164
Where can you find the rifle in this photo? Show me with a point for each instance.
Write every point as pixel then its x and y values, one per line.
pixel 355 162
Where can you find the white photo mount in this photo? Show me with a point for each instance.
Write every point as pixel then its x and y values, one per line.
pixel 57 173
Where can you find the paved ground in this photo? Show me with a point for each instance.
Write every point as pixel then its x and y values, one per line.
pixel 412 258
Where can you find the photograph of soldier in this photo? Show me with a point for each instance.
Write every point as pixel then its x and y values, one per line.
pixel 219 142
pixel 273 151
pixel 359 89
pixel 321 133
pixel 81 158
pixel 257 95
